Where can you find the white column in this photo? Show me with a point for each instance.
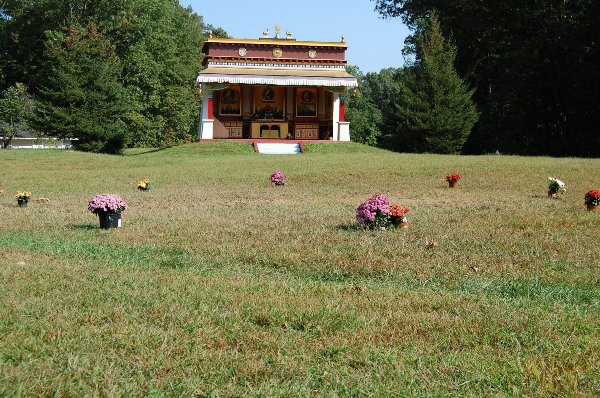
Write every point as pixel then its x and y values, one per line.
pixel 203 110
pixel 336 116
pixel 206 124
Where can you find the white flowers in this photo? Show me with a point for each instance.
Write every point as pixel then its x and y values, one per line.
pixel 557 185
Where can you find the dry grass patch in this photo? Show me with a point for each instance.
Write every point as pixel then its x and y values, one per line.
pixel 221 285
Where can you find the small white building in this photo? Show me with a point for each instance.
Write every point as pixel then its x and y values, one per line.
pixel 32 141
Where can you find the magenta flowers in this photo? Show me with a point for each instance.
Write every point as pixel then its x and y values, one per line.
pixel 377 206
pixel 278 178
pixel 106 202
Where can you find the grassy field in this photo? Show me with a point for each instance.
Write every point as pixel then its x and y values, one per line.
pixel 220 285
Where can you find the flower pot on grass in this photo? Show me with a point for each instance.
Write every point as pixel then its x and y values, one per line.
pixel 592 200
pixel 144 185
pixel 377 213
pixel 452 180
pixel 109 219
pixel 278 179
pixel 108 207
pixel 23 198
pixel 555 187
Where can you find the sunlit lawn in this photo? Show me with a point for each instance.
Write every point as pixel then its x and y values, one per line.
pixel 220 285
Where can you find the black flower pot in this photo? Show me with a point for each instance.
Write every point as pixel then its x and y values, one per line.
pixel 22 202
pixel 109 219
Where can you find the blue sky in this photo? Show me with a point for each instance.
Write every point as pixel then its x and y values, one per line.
pixel 373 43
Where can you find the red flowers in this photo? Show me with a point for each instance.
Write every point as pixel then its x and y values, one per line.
pixel 453 177
pixel 398 211
pixel 592 197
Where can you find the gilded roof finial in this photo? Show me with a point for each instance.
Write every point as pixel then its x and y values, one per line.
pixel 210 35
pixel 277 31
pixel 343 38
pixel 288 34
pixel 266 33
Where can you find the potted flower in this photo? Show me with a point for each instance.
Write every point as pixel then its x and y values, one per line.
pixel 377 213
pixel 144 185
pixel 555 186
pixel 452 180
pixel 278 179
pixel 108 207
pixel 23 198
pixel 398 216
pixel 592 200
pixel 373 212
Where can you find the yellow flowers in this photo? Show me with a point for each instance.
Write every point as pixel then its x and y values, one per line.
pixel 23 195
pixel 144 185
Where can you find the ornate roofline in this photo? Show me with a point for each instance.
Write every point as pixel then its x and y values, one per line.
pixel 278 42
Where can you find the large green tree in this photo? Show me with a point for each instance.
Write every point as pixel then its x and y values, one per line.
pixel 82 96
pixel 434 107
pixel 534 65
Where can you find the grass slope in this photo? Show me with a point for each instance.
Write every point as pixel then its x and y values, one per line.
pixel 220 285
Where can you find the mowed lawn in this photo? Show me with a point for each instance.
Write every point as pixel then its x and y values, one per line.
pixel 220 285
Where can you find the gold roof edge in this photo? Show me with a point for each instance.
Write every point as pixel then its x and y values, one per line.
pixel 282 42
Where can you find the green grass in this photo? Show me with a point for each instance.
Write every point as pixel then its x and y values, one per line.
pixel 220 285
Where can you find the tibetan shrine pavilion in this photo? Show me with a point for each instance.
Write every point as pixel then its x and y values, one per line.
pixel 274 88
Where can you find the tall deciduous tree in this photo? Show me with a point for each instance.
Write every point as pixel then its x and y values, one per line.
pixel 361 112
pixel 156 42
pixel 434 106
pixel 16 107
pixel 82 95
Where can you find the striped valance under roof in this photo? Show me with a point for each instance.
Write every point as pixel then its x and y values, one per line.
pixel 278 77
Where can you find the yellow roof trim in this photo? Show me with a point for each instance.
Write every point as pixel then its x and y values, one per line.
pixel 278 42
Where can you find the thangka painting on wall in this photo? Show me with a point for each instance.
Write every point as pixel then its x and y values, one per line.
pixel 268 102
pixel 306 102
pixel 230 101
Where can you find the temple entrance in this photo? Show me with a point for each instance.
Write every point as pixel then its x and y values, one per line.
pixel 274 89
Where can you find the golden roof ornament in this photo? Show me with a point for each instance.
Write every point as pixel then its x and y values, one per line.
pixel 288 34
pixel 343 38
pixel 277 31
pixel 266 33
pixel 210 34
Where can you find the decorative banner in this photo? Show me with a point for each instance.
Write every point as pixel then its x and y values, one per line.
pixel 230 101
pixel 306 102
pixel 215 86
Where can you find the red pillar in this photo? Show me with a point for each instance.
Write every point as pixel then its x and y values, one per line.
pixel 342 110
pixel 210 106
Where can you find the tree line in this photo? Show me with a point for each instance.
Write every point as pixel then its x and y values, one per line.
pixel 481 76
pixel 532 68
pixel 113 73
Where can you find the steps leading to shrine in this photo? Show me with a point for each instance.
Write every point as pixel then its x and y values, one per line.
pixel 278 149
